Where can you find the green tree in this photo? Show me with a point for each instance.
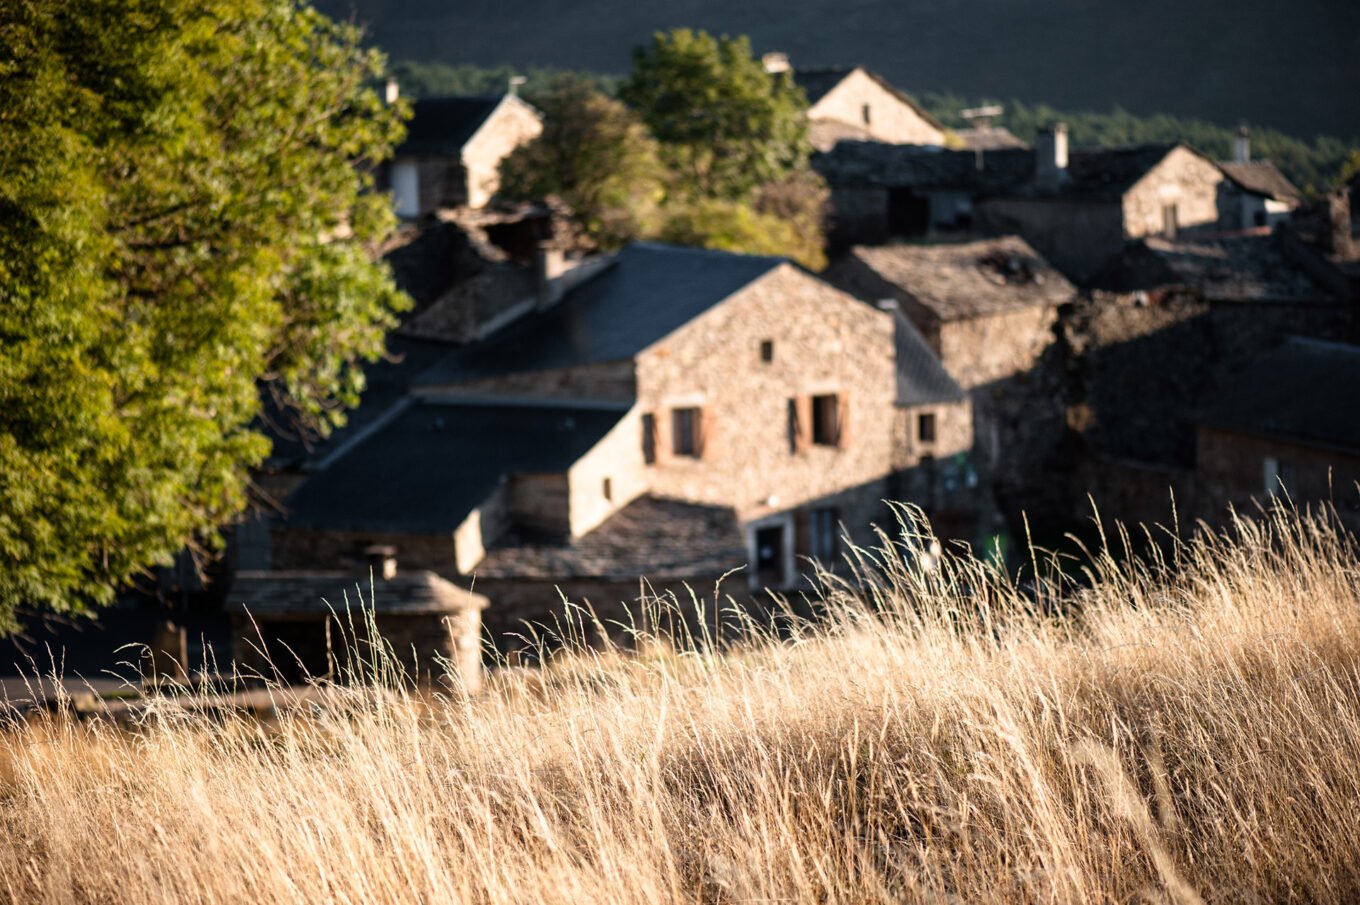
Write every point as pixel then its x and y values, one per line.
pixel 181 223
pixel 726 126
pixel 597 156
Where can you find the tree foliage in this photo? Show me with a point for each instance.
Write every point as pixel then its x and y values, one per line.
pixel 181 223
pixel 726 126
pixel 597 156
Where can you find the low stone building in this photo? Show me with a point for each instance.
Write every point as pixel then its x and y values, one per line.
pixel 1256 194
pixel 1281 426
pixel 853 103
pixel 988 309
pixel 453 149
pixel 730 398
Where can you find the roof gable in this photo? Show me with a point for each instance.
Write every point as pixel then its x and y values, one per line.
pixel 1262 177
pixel 818 83
pixel 649 291
pixel 443 125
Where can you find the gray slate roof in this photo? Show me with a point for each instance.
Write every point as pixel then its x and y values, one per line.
pixel 1103 174
pixel 969 279
pixel 431 465
pixel 1262 177
pixel 1302 392
pixel 649 291
pixel 657 539
pixel 442 125
pixel 988 138
pixel 872 164
pixel 318 593
pixel 1218 269
pixel 921 378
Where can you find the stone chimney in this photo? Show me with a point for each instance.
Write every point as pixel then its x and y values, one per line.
pixel 1242 146
pixel 776 62
pixel 1050 156
pixel 382 560
pixel 515 82
pixel 551 263
pixel 1336 226
pixel 391 91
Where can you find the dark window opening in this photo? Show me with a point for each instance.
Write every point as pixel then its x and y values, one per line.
pixel 867 114
pixel 767 350
pixel 825 420
pixel 649 438
pixel 685 432
pixel 1260 218
pixel 608 490
pixel 925 427
pixel 908 213
pixel 824 528
pixel 770 556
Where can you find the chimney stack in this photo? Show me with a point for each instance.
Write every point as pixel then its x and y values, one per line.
pixel 382 560
pixel 1050 155
pixel 551 264
pixel 1242 146
pixel 1337 240
pixel 515 82
pixel 391 91
pixel 775 63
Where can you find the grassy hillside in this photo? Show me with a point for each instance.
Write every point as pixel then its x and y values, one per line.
pixel 1291 66
pixel 1182 736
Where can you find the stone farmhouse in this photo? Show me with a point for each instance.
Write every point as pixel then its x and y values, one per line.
pixel 1256 194
pixel 453 149
pixel 1276 428
pixel 857 104
pixel 667 412
pixel 989 309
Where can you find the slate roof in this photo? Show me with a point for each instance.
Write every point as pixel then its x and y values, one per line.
pixel 1297 393
pixel 442 125
pixel 387 381
pixel 818 83
pixel 921 378
pixel 1262 177
pixel 872 164
pixel 969 279
pixel 648 292
pixel 659 539
pixel 1252 268
pixel 318 593
pixel 988 138
pixel 1101 174
pixel 434 462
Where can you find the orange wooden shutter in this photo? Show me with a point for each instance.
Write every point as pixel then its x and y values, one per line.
pixel 702 431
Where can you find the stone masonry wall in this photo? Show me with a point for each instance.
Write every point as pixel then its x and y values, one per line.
pixel 1184 179
pixel 891 119
pixel 982 350
pixel 1075 237
pixel 512 124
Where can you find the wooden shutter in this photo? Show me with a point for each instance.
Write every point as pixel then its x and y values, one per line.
pixel 800 423
pixel 701 430
pixel 802 533
pixel 842 420
pixel 661 424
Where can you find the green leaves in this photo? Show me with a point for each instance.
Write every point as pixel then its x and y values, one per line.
pixel 183 217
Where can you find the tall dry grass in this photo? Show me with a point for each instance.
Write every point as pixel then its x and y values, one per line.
pixel 1188 731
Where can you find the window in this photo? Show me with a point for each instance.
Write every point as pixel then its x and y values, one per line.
pixel 608 490
pixel 767 350
pixel 649 438
pixel 826 427
pixel 1279 476
pixel 685 432
pixel 824 535
pixel 925 427
pixel 867 114
pixel 1170 220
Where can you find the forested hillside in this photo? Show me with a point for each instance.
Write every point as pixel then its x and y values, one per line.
pixel 1291 66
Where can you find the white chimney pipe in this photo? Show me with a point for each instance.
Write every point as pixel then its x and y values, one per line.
pixel 1242 146
pixel 1050 155
pixel 775 62
pixel 391 91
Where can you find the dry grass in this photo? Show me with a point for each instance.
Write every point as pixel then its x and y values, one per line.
pixel 1192 734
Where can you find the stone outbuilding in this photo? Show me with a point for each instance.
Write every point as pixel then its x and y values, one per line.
pixel 1256 194
pixel 453 149
pixel 296 625
pixel 988 309
pixel 1283 425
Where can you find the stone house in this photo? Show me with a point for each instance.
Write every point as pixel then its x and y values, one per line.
pixel 453 149
pixel 1256 195
pixel 988 308
pixel 1281 426
pixel 1079 207
pixel 675 414
pixel 857 104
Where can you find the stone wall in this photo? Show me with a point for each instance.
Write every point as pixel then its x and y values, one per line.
pixel 296 548
pixel 617 459
pixel 1075 237
pixel 541 503
pixel 891 119
pixel 982 350
pixel 858 216
pixel 512 124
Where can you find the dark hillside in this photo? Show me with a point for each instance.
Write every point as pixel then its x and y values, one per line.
pixel 1294 66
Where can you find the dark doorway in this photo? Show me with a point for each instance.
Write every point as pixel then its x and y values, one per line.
pixel 908 213
pixel 770 556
